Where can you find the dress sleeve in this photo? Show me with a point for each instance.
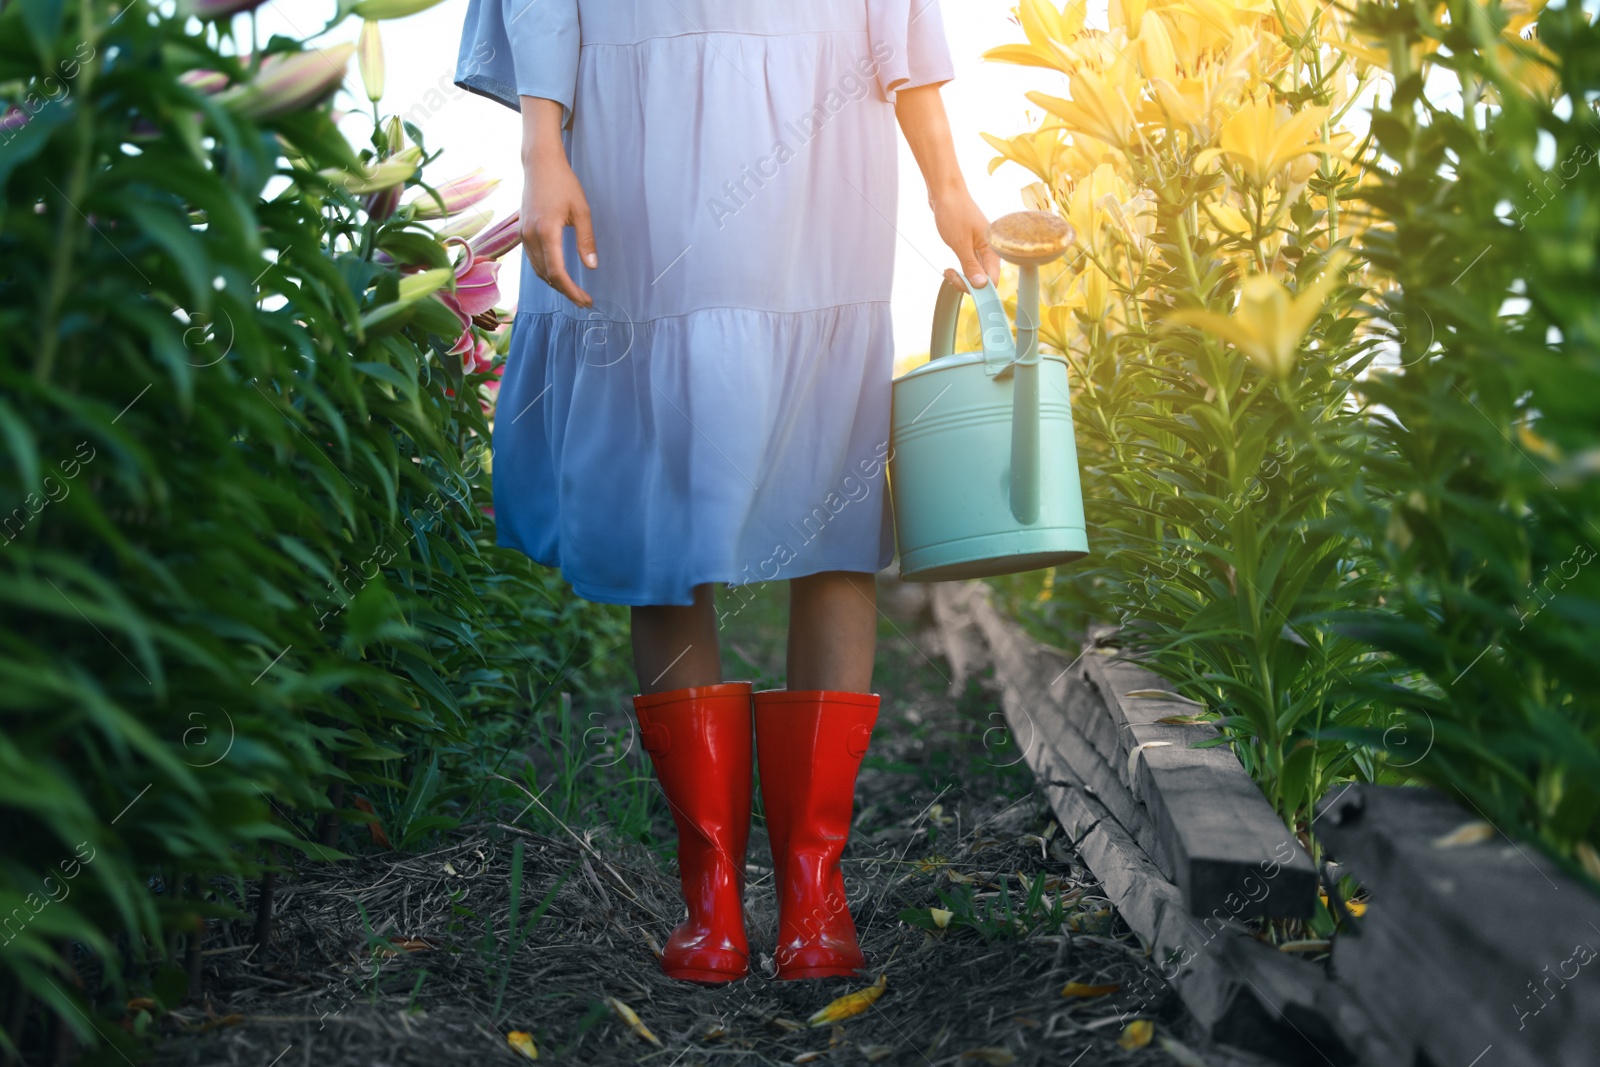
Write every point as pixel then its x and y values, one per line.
pixel 512 48
pixel 908 44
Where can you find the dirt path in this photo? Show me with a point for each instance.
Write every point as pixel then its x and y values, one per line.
pixel 406 959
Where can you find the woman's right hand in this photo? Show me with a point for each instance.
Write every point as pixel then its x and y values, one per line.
pixel 552 200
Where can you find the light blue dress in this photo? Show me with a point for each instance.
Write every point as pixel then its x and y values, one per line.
pixel 722 413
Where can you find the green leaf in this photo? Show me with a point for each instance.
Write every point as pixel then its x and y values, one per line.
pixel 43 19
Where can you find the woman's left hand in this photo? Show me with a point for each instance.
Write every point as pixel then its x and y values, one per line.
pixel 965 229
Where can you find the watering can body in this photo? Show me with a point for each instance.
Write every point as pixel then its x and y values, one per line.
pixel 983 468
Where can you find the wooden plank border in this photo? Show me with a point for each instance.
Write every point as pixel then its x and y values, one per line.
pixel 1473 948
pixel 1241 990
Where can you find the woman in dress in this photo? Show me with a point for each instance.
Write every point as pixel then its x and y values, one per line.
pixel 698 388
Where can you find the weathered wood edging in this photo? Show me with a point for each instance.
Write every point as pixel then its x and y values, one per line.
pixel 1181 877
pixel 1473 950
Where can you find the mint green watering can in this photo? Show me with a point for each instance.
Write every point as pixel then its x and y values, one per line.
pixel 983 469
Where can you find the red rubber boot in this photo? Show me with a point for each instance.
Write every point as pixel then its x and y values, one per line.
pixel 809 744
pixel 699 740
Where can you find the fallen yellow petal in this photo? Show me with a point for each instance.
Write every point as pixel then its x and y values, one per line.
pixel 1588 859
pixel 522 1042
pixel 1470 833
pixel 1076 922
pixel 851 1004
pixel 1081 989
pixel 632 1021
pixel 941 918
pixel 1137 1034
pixel 1357 908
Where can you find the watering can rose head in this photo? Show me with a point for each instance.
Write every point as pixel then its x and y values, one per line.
pixel 1030 237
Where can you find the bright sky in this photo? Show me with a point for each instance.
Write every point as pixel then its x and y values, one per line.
pixel 420 56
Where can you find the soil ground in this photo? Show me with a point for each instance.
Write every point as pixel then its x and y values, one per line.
pixel 396 958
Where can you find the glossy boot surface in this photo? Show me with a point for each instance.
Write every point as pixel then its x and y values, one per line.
pixel 699 740
pixel 809 744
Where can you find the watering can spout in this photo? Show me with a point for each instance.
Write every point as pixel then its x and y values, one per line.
pixel 1030 239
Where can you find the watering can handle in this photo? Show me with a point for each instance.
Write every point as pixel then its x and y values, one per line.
pixel 999 358
pixel 999 347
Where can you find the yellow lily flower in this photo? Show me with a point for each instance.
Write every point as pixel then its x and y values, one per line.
pixel 1043 152
pixel 1127 16
pixel 1270 57
pixel 1099 298
pixel 1060 294
pixel 1210 23
pixel 1058 324
pixel 1195 102
pixel 1528 64
pixel 1101 104
pixel 1046 28
pixel 1339 143
pixel 1036 197
pixel 1263 139
pixel 1523 13
pixel 1367 56
pixel 1183 30
pixel 1084 203
pixel 1223 17
pixel 1270 323
pixel 1157 58
pixel 1135 218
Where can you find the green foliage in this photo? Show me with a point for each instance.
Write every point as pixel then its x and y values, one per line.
pixel 244 557
pixel 517 929
pixel 998 916
pixel 1215 543
pixel 1378 565
pixel 1483 498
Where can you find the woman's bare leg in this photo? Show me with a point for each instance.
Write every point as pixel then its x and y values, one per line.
pixel 675 647
pixel 833 630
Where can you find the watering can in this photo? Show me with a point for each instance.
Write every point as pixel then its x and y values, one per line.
pixel 983 468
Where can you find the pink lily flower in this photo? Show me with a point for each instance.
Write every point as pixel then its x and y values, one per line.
pixel 480 355
pixel 500 238
pixel 476 292
pixel 205 82
pixel 458 195
pixel 289 82
pixel 477 285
